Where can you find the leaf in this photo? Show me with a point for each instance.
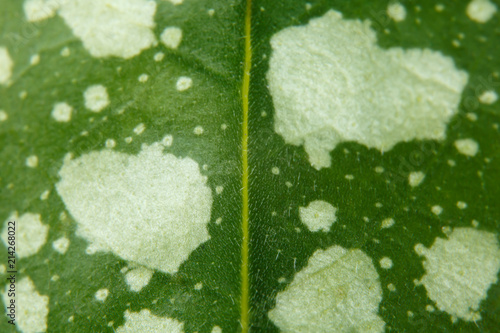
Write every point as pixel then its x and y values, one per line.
pixel 250 166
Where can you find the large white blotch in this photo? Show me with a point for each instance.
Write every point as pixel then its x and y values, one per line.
pixel 152 209
pixel 6 65
pixel 460 270
pixel 144 321
pixel 330 82
pixel 338 291
pixel 32 308
pixel 121 28
pixel 31 233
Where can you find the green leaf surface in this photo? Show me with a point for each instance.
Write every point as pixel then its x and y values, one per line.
pixel 126 186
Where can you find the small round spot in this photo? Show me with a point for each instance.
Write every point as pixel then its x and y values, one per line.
pixel 143 78
pixel 461 205
pixel 184 83
pixel 3 115
pixel 32 161
pixel 415 178
pixel 198 286
pixel 198 130
pixel 65 52
pixel 218 221
pixel 275 171
pixel 171 37
pixel 96 98
pixel 391 287
pixel 61 245
pixel 219 189
pixel 396 11
pixel 167 140
pixel 35 59
pixel 488 97
pixel 387 223
pixel 45 195
pixel 62 112
pixel 159 56
pixel 386 263
pixel 102 294
pixel 379 169
pixel 437 210
pixel 471 116
pixel 110 143
pixel 223 127
pixel 128 139
pixel 139 129
pixel 467 147
pixel 210 12
pixel 349 177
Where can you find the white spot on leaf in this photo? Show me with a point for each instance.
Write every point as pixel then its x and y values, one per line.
pixel 460 270
pixel 330 82
pixel 127 190
pixel 138 278
pixel 318 215
pixel 102 294
pixel 481 10
pixel 144 321
pixel 396 11
pixel 171 37
pixel 416 178
pixel 184 83
pixel 62 112
pixel 488 97
pixel 6 65
pixel 121 28
pixel 338 291
pixel 31 233
pixel 467 147
pixel 96 98
pixel 32 309
pixel 61 245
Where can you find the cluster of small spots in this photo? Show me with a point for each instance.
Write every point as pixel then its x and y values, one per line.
pixel 488 97
pixel 437 210
pixel 481 10
pixel 102 294
pixel 110 143
pixel 3 115
pixel 467 147
pixel 96 98
pixel 198 130
pixel 32 161
pixel 143 78
pixel 387 223
pixel 6 65
pixel 139 129
pixel 386 263
pixel 62 112
pixel 318 215
pixel 61 245
pixel 34 59
pixel 275 171
pixel 396 11
pixel 219 189
pixel 461 205
pixel 415 178
pixel 183 83
pixel 171 37
pixel 159 56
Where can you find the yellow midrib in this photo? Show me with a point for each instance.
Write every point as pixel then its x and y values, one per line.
pixel 245 283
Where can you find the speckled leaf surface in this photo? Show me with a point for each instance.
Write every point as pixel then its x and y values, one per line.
pixel 398 214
